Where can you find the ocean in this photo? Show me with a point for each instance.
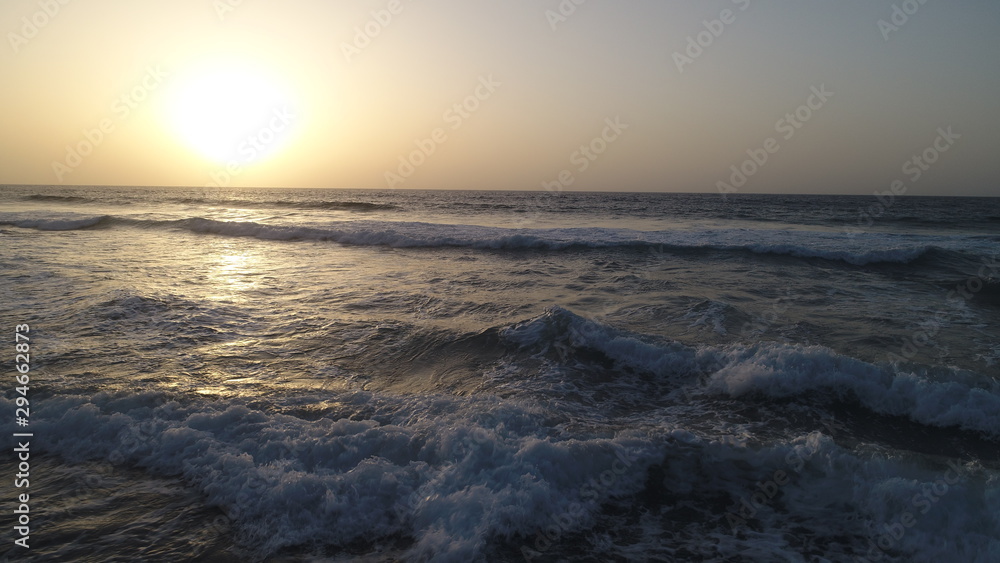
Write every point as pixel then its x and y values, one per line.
pixel 365 375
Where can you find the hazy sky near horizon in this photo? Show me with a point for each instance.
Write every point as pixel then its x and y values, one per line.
pixel 812 96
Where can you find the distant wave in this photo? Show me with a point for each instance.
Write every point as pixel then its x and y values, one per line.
pixel 412 235
pixel 58 198
pixel 63 224
pixel 946 222
pixel 332 205
pixel 360 206
pixel 859 250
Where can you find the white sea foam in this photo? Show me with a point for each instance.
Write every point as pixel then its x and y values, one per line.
pixel 867 248
pixel 456 473
pixel 436 475
pixel 854 250
pixel 778 370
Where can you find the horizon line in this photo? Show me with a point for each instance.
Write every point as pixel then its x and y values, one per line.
pixel 511 190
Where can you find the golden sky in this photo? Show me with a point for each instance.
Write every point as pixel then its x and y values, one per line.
pixel 748 95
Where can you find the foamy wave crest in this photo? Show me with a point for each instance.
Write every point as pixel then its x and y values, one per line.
pixel 455 476
pixel 398 235
pixel 414 234
pixel 558 325
pixel 863 249
pixel 778 370
pixel 449 473
pixel 964 400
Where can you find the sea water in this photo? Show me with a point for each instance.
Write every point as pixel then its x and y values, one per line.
pixel 334 375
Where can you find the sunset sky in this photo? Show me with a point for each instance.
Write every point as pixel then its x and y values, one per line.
pixel 636 95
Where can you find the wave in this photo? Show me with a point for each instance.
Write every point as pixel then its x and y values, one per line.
pixel 334 205
pixel 466 478
pixel 456 478
pixel 330 205
pixel 58 198
pixel 953 398
pixel 475 476
pixel 858 250
pixel 951 222
pixel 345 205
pixel 432 469
pixel 63 224
pixel 964 400
pixel 416 235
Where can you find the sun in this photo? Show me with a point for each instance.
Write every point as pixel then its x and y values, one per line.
pixel 232 112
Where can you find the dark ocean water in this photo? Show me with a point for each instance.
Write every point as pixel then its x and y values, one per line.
pixel 338 375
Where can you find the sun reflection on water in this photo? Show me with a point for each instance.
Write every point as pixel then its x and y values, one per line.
pixel 232 273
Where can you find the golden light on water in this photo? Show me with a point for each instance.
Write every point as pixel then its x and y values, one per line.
pixel 232 273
